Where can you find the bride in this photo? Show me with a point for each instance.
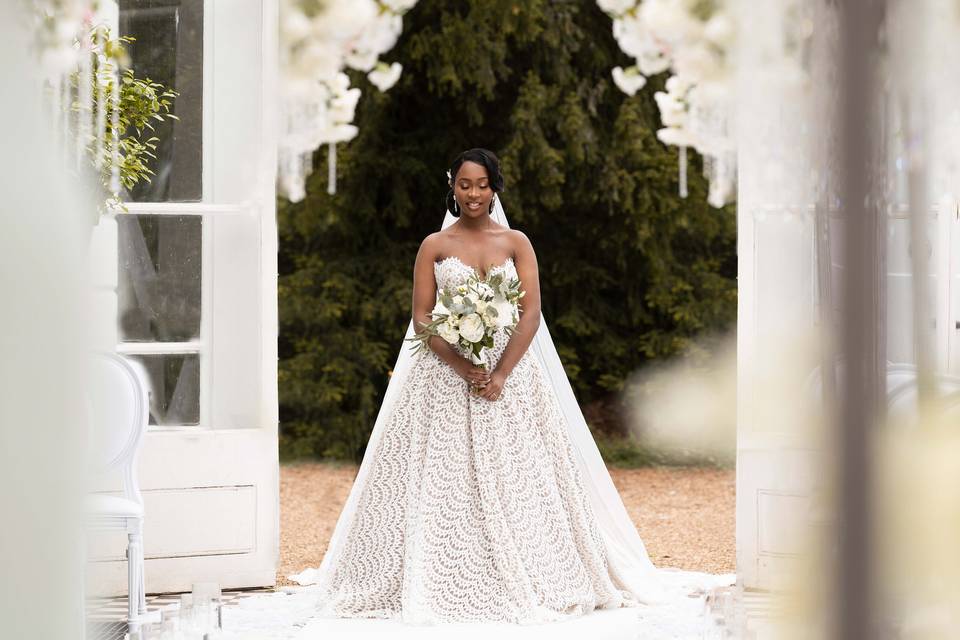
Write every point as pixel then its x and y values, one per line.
pixel 470 505
pixel 482 497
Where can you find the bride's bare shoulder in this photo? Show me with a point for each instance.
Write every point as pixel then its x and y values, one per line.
pixel 519 241
pixel 433 245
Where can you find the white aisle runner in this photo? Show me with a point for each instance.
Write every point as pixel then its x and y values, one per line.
pixel 290 615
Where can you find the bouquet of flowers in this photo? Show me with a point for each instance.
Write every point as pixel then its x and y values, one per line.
pixel 469 315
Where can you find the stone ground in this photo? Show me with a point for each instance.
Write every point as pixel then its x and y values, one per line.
pixel 685 515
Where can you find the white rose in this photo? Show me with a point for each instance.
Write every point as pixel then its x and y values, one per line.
pixel 471 327
pixel 448 332
pixel 504 313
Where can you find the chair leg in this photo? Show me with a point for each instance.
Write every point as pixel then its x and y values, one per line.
pixel 143 586
pixel 134 580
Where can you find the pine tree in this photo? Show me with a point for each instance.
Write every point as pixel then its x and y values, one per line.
pixel 630 272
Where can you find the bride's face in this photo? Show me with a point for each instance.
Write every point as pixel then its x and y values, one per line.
pixel 472 190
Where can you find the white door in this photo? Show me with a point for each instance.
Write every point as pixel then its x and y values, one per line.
pixel 776 467
pixel 953 322
pixel 901 340
pixel 192 277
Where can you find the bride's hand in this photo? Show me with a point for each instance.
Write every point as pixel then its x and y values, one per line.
pixel 474 375
pixel 492 390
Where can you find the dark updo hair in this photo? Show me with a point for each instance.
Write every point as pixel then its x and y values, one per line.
pixel 485 158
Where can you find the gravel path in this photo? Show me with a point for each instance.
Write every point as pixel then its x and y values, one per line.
pixel 684 515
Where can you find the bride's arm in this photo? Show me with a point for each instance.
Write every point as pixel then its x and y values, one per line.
pixel 424 299
pixel 526 262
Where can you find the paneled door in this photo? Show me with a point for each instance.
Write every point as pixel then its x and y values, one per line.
pixel 953 293
pixel 191 284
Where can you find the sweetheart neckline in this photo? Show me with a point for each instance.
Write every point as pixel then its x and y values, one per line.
pixel 492 269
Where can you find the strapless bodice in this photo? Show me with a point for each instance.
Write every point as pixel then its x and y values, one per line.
pixel 452 271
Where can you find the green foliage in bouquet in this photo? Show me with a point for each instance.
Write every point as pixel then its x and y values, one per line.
pixel 630 272
pixel 493 303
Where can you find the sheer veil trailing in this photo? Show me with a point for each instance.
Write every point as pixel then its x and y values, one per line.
pixel 626 552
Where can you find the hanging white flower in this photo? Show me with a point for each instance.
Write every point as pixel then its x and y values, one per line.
pixel 693 39
pixel 676 137
pixel 720 30
pixel 636 40
pixel 399 6
pixel 671 20
pixel 379 36
pixel 362 59
pixel 699 62
pixel 630 33
pixel 673 113
pixel 339 133
pixel 384 76
pixel 630 80
pixel 317 41
pixel 294 25
pixel 344 105
pixel 344 20
pixel 616 7
pixel 678 86
pixel 652 61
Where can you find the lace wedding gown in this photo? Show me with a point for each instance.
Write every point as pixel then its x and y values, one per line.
pixel 471 514
pixel 474 510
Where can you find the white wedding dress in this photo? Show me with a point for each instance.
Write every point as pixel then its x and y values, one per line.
pixel 474 515
pixel 473 509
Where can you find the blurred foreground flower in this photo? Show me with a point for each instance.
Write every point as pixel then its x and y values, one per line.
pixel 686 410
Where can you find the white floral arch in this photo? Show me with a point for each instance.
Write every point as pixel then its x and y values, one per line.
pixel 695 40
pixel 317 41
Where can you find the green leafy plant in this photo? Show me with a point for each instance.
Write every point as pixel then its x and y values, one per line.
pixel 130 106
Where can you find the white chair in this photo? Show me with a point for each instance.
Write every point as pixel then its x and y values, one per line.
pixel 117 403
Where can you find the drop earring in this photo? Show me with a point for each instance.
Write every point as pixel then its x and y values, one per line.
pixel 456 206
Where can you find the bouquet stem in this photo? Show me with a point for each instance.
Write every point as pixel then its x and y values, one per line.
pixel 482 364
